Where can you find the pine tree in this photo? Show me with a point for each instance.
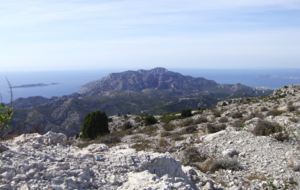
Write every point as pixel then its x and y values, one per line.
pixel 94 124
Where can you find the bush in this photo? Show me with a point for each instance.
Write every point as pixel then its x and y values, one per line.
pixel 238 124
pixel 168 118
pixel 189 129
pixel 177 138
pixel 215 128
pixel 110 119
pixel 165 134
pixel 150 120
pixel 192 155
pixel 94 124
pixel 169 127
pixel 186 122
pixel 137 119
pixel 236 115
pixel 264 109
pixel 291 108
pixel 127 125
pixel 265 128
pixel 223 120
pixel 275 112
pixel 186 113
pixel 217 114
pixel 200 120
pixel 226 164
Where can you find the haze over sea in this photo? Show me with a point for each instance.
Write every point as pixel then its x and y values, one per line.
pixel 69 81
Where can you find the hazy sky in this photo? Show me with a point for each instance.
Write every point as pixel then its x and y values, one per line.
pixel 103 34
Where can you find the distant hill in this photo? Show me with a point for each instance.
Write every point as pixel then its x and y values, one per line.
pixel 155 91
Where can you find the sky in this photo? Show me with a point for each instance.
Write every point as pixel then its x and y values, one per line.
pixel 141 34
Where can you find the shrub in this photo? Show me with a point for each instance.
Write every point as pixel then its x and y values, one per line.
pixel 275 112
pixel 150 120
pixel 215 128
pixel 186 113
pixel 189 129
pixel 177 138
pixel 141 146
pixel 168 118
pixel 236 115
pixel 217 114
pixel 238 124
pixel 94 124
pixel 127 125
pixel 264 128
pixel 137 119
pixel 291 108
pixel 110 140
pixel 223 120
pixel 226 164
pixel 186 122
pixel 192 155
pixel 165 134
pixel 169 127
pixel 151 130
pixel 264 109
pixel 200 120
pixel 110 119
pixel 163 143
pixel 296 168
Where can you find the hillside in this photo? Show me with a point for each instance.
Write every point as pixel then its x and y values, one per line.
pixel 242 143
pixel 156 91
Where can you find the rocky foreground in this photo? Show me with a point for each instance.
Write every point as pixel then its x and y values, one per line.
pixel 245 143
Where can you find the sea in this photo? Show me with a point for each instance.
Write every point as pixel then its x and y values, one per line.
pixel 69 81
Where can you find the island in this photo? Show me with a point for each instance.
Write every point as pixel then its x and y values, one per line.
pixel 277 76
pixel 34 85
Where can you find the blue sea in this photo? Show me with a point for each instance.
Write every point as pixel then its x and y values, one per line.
pixel 69 81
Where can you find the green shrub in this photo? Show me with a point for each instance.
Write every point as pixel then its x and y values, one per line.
pixel 215 128
pixel 186 113
pixel 265 128
pixel 127 125
pixel 150 120
pixel 169 127
pixel 168 118
pixel 137 119
pixel 110 119
pixel 94 124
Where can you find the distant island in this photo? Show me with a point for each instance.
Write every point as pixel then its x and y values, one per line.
pixel 34 85
pixel 277 76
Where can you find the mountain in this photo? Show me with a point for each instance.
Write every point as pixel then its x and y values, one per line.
pixel 156 91
pixel 242 143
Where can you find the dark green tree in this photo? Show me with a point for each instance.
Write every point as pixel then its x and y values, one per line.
pixel 150 120
pixel 186 113
pixel 94 124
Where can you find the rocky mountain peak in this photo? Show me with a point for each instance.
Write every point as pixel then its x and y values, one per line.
pixel 157 70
